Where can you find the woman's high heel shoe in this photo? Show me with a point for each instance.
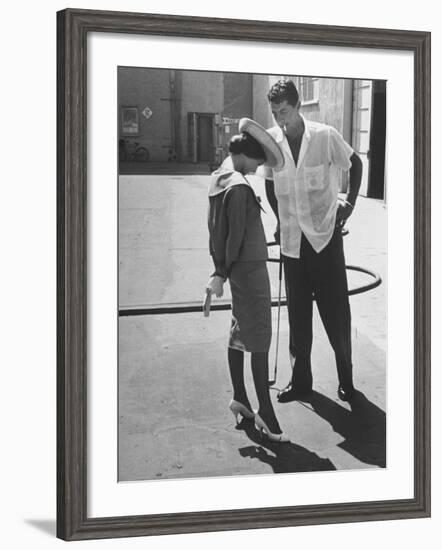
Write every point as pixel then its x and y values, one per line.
pixel 238 408
pixel 262 427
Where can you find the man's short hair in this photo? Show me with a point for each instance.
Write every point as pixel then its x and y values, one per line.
pixel 283 90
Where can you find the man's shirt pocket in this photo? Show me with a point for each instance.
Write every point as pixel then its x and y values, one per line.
pixel 314 177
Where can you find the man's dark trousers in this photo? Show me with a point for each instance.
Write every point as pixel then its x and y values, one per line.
pixel 322 276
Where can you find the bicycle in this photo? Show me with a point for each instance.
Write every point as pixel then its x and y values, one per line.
pixel 132 151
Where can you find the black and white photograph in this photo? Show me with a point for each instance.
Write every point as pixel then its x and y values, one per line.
pixel 252 274
pixel 218 256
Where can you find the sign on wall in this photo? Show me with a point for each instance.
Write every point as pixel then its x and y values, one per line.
pixel 147 112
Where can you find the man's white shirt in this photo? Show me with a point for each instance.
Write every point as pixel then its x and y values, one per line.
pixel 307 192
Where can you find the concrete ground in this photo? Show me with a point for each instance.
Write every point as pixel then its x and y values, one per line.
pixel 164 168
pixel 174 387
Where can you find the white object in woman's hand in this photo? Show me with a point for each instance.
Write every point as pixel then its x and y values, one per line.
pixel 215 286
pixel 206 303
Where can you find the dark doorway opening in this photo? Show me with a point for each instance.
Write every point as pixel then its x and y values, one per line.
pixel 205 146
pixel 376 183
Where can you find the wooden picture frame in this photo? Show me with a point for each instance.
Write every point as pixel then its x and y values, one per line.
pixel 73 27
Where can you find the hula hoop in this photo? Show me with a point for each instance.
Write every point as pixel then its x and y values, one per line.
pixel 223 305
pixel 377 280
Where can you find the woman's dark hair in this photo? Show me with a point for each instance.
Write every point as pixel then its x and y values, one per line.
pixel 248 145
pixel 283 90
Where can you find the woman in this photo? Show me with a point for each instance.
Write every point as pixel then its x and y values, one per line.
pixel 239 251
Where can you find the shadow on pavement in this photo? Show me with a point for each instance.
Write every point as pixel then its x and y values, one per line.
pixel 283 457
pixel 363 427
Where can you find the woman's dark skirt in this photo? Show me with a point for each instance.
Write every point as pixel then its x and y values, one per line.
pixel 251 328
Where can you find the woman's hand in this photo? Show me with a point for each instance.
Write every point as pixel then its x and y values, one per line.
pixel 215 286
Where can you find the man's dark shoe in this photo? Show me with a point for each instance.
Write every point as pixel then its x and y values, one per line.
pixel 347 394
pixel 293 393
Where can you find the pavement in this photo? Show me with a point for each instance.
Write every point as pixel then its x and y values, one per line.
pixel 174 386
pixel 165 168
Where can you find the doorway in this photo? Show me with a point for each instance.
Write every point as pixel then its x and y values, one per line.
pixel 368 134
pixel 201 137
pixel 204 139
pixel 376 182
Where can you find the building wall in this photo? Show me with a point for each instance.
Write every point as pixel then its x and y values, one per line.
pixel 201 92
pixel 225 94
pixel 172 94
pixel 238 95
pixel 330 107
pixel 238 103
pixel 348 110
pixel 261 108
pixel 140 87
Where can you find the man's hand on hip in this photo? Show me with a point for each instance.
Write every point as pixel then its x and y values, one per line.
pixel 344 211
pixel 277 234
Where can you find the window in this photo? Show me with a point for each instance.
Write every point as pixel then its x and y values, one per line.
pixel 308 89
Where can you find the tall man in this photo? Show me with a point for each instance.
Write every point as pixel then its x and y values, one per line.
pixel 304 197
